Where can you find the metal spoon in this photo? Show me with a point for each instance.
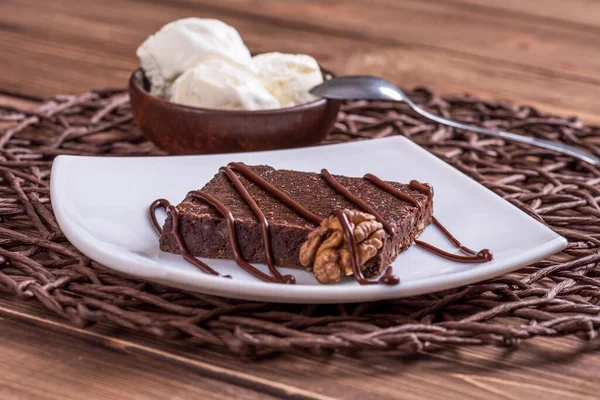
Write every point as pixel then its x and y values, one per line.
pixel 373 88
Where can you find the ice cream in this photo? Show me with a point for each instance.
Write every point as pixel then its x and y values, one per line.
pixel 219 83
pixel 288 77
pixel 184 43
pixel 204 63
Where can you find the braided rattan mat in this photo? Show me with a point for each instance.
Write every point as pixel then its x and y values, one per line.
pixel 555 297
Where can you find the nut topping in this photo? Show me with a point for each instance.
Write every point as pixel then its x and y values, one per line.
pixel 325 251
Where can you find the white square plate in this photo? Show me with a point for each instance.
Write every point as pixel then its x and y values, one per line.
pixel 102 207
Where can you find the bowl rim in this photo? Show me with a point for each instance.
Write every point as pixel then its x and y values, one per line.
pixel 135 84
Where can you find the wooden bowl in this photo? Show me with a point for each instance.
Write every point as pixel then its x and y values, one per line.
pixel 181 129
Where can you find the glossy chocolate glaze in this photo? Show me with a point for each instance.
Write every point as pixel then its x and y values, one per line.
pixel 387 278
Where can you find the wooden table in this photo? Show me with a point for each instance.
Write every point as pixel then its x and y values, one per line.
pixel 543 53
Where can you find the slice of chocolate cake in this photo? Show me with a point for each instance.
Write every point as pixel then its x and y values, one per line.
pixel 205 233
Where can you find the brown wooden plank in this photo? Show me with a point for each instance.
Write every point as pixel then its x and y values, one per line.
pixel 584 13
pixel 38 364
pixel 16 102
pixel 548 368
pixel 473 32
pixel 76 48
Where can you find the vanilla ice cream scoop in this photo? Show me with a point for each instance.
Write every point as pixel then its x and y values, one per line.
pixel 181 44
pixel 220 84
pixel 288 77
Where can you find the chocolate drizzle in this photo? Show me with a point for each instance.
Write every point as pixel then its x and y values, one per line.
pixel 486 254
pixel 335 185
pixel 471 257
pixel 264 224
pixel 483 255
pixel 422 187
pixel 392 190
pixel 387 278
pixel 233 241
pixel 278 194
pixel 171 210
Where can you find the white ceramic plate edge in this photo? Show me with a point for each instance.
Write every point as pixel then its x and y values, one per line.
pixel 85 242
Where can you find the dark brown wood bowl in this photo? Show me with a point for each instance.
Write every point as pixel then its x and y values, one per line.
pixel 181 129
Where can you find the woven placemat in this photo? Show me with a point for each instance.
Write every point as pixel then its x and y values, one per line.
pixel 555 297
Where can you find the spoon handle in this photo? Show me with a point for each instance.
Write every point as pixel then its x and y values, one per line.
pixel 546 144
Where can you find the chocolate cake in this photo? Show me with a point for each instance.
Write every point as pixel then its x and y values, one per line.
pixel 205 232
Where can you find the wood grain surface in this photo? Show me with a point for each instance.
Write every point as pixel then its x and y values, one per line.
pixel 550 369
pixel 542 53
pixel 527 51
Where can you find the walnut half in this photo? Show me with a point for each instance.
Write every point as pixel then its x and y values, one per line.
pixel 326 253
